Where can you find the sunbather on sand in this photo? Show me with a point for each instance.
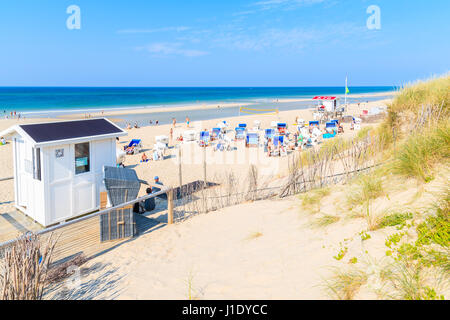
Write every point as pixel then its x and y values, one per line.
pixel 129 150
pixel 144 158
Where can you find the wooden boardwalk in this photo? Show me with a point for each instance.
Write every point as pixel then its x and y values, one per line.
pixel 14 224
pixel 79 238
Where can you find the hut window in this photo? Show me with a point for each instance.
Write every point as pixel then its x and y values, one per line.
pixel 82 161
pixel 37 164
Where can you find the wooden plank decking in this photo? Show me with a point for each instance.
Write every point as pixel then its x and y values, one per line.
pixel 81 237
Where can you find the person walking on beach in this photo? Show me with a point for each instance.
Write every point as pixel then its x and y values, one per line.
pixel 171 134
pixel 155 189
pixel 187 122
pixel 174 122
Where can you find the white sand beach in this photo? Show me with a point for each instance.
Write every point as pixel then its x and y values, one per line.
pixel 167 169
pixel 268 249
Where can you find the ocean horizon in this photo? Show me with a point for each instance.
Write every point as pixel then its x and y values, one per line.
pixel 36 101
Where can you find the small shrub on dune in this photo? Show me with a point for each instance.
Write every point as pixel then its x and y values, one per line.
pixel 395 219
pixel 436 229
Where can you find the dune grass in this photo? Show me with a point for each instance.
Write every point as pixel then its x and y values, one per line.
pixel 412 96
pixel 312 199
pixel 345 284
pixel 414 282
pixel 363 133
pixel 420 152
pixel 325 220
pixel 366 187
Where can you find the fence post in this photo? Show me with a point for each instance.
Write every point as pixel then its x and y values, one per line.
pixel 204 167
pixel 170 206
pixel 179 167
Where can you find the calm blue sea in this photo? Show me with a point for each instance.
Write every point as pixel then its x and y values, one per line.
pixel 43 100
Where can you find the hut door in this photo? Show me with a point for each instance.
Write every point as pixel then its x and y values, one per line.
pixel 24 167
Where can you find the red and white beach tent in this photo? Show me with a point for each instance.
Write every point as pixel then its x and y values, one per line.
pixel 324 98
pixel 329 103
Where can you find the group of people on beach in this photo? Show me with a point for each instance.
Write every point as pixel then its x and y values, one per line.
pixel 12 115
pixel 156 123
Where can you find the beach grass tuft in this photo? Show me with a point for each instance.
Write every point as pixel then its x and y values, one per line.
pixel 312 199
pixel 366 187
pixel 325 220
pixel 345 284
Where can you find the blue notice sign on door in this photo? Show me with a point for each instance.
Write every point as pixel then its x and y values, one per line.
pixel 80 162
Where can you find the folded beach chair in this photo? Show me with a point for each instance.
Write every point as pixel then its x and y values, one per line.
pixel 159 148
pixel 215 133
pixel 269 133
pixel 300 123
pixel 281 139
pixel 257 124
pixel 240 133
pixel 331 127
pixel 133 147
pixel 252 139
pixel 357 122
pixel 205 138
pixel 162 139
pixel 314 124
pixel 189 136
pixel 222 126
pixel 282 128
pixel 276 144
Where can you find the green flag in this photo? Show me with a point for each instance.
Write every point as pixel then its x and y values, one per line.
pixel 346 90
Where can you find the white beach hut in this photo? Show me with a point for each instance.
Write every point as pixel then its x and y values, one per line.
pixel 328 103
pixel 58 167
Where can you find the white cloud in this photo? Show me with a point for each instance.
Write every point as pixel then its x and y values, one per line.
pixel 162 49
pixel 156 30
pixel 289 39
pixel 286 4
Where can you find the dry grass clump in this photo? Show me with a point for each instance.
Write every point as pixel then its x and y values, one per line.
pixel 345 284
pixel 254 235
pixel 325 220
pixel 24 268
pixel 366 187
pixel 312 199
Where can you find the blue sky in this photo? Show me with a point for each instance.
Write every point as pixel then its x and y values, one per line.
pixel 222 43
